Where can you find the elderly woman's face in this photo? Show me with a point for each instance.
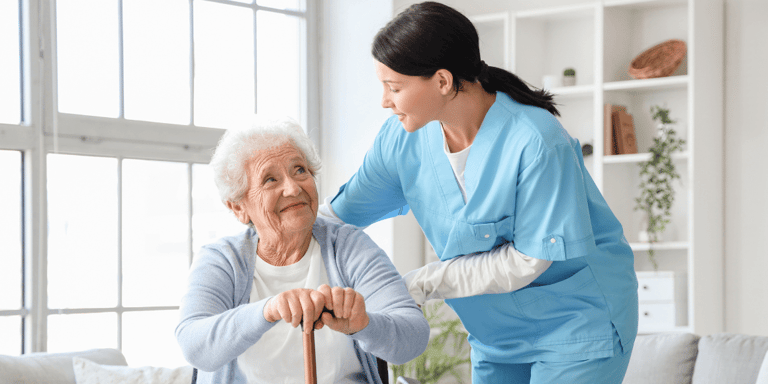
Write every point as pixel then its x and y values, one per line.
pixel 281 195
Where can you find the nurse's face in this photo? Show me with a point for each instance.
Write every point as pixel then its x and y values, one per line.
pixel 415 100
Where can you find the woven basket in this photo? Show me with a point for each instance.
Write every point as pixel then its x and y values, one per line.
pixel 658 61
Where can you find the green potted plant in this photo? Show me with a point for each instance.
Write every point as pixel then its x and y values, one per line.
pixel 656 175
pixel 569 77
pixel 446 352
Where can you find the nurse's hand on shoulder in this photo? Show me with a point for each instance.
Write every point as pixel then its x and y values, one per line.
pixel 348 308
pixel 294 305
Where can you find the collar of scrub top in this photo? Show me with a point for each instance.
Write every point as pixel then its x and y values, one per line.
pixel 489 131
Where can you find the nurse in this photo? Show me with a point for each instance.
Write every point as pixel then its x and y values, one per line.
pixel 532 259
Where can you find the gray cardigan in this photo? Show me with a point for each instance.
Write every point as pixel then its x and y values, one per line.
pixel 218 322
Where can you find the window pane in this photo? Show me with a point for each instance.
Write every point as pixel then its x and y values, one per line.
pixel 224 69
pixel 10 335
pixel 296 5
pixel 68 333
pixel 10 230
pixel 156 56
pixel 155 232
pixel 82 231
pixel 211 219
pixel 279 64
pixel 149 339
pixel 10 78
pixel 87 50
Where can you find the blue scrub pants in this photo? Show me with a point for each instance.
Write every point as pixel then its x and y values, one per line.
pixel 609 370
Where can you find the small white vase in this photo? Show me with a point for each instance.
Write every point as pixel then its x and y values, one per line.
pixel 642 236
pixel 569 81
pixel 549 82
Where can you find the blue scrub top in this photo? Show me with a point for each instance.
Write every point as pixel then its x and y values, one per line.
pixel 526 183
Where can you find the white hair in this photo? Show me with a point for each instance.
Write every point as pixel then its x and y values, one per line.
pixel 237 146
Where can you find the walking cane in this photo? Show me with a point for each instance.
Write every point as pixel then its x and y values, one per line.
pixel 310 363
pixel 310 367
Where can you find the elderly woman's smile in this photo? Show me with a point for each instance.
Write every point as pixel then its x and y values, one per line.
pixel 295 206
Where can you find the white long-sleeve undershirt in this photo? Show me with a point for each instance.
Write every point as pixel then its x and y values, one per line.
pixel 502 269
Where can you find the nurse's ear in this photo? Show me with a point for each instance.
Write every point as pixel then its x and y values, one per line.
pixel 444 80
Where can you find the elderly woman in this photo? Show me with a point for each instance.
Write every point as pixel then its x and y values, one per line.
pixel 248 293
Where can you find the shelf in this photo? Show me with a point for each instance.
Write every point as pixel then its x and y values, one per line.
pixel 599 39
pixel 573 91
pixel 638 158
pixel 500 17
pixel 547 41
pixel 558 13
pixel 494 44
pixel 661 83
pixel 641 4
pixel 662 246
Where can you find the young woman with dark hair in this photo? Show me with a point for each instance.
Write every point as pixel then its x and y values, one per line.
pixel 531 257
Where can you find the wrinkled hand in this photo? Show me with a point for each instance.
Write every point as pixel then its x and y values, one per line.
pixel 348 307
pixel 294 305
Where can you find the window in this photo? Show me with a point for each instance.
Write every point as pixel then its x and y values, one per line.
pixel 104 145
pixel 10 66
pixel 11 303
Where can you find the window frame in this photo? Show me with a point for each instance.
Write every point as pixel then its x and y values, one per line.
pixel 44 130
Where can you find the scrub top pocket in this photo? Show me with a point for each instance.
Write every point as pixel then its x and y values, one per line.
pixel 479 237
pixel 569 312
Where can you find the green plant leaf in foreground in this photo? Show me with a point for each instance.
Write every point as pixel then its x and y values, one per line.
pixel 446 351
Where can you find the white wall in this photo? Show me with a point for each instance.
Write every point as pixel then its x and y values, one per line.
pixel 351 109
pixel 746 167
pixel 352 113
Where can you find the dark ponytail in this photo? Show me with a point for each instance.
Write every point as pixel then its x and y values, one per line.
pixel 430 36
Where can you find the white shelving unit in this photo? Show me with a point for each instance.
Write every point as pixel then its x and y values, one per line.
pixel 600 39
pixel 494 43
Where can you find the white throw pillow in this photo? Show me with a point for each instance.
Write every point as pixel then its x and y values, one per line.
pixel 762 375
pixel 88 372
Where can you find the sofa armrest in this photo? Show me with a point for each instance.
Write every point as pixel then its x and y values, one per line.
pixel 52 368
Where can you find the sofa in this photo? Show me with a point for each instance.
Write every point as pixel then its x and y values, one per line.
pixel 659 359
pixel 93 366
pixel 722 358
pixel 684 358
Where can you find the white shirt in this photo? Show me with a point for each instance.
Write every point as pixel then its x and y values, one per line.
pixel 458 162
pixel 278 357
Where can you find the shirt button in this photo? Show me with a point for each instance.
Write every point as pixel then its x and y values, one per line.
pixel 487 235
pixel 553 240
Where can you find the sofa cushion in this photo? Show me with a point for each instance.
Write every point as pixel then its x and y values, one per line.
pixel 88 372
pixel 51 368
pixel 762 376
pixel 729 358
pixel 662 358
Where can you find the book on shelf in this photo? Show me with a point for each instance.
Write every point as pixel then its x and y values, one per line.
pixel 624 132
pixel 609 138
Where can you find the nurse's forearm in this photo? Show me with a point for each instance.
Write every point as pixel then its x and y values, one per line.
pixel 502 269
